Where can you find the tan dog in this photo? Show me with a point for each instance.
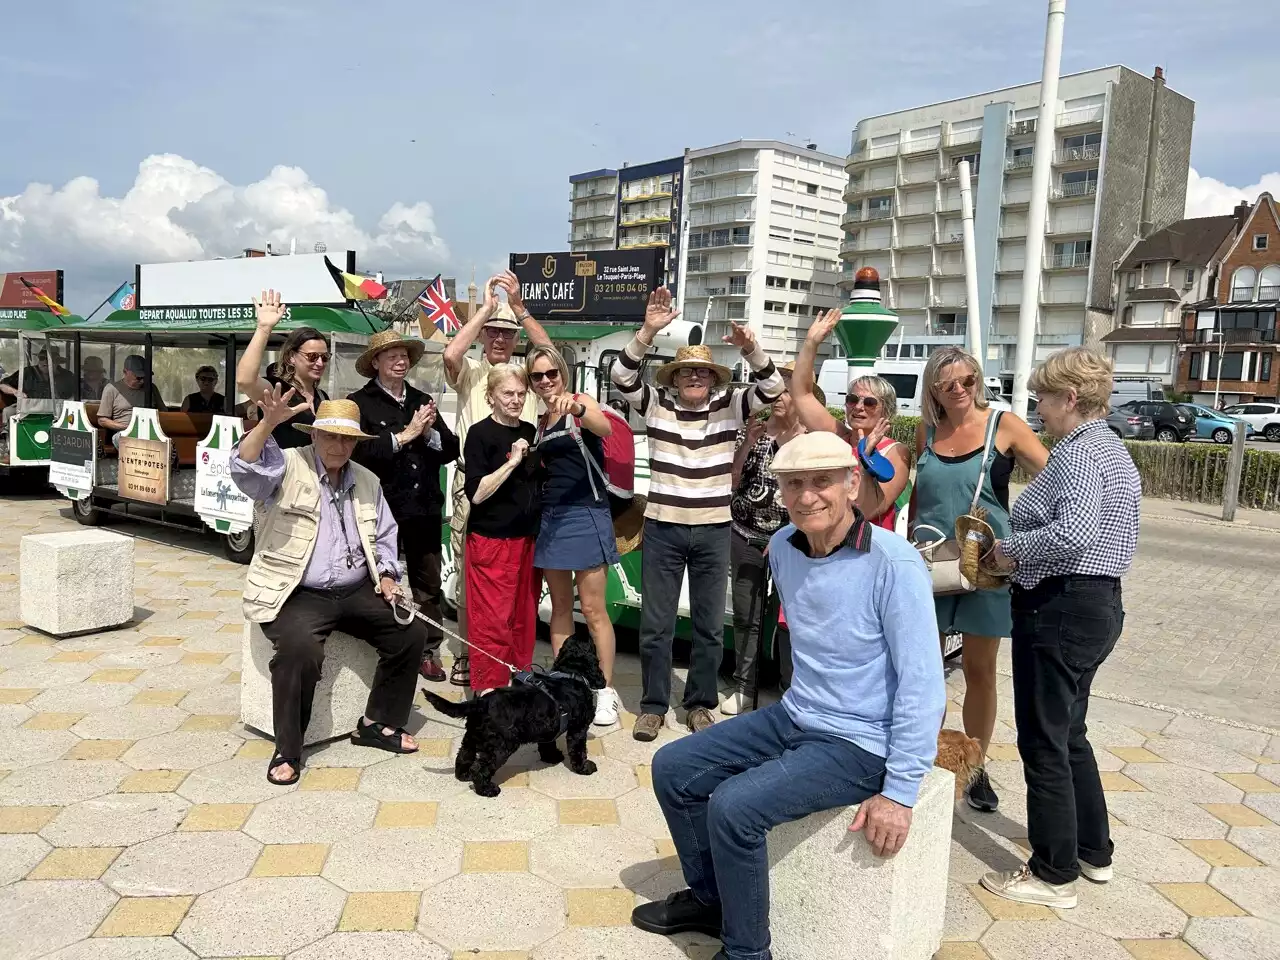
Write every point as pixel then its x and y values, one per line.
pixel 960 754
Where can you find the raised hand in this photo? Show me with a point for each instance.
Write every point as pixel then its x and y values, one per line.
pixel 268 309
pixel 561 404
pixel 276 408
pixel 519 449
pixel 429 421
pixel 741 336
pixel 821 328
pixel 491 293
pixel 511 283
pixel 658 314
pixel 416 425
pixel 755 430
pixel 876 434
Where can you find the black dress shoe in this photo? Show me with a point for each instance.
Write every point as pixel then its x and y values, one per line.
pixel 679 913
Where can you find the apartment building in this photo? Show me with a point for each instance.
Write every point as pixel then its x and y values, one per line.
pixel 1122 145
pixel 761 223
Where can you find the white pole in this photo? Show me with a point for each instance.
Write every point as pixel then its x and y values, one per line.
pixel 1041 167
pixel 970 262
pixel 1217 387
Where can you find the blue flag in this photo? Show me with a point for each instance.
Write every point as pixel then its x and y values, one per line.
pixel 123 298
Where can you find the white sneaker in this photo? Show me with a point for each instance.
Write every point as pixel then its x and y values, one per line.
pixel 734 704
pixel 1023 886
pixel 606 707
pixel 1095 874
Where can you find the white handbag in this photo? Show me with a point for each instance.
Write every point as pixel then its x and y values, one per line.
pixel 942 556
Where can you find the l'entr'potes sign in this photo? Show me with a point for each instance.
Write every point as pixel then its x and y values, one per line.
pixel 602 283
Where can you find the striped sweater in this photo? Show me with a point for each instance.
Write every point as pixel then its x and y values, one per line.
pixel 691 451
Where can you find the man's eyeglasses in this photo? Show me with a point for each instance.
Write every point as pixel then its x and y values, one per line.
pixel 500 334
pixel 700 373
pixel 958 383
pixel 869 402
pixel 312 357
pixel 537 376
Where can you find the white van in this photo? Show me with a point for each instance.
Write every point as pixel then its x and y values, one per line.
pixel 906 378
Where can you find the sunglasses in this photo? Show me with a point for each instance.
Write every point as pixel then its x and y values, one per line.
pixel 950 386
pixel 701 373
pixel 869 402
pixel 499 334
pixel 537 376
pixel 312 357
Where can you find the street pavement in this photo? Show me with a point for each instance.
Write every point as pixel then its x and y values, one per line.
pixel 136 820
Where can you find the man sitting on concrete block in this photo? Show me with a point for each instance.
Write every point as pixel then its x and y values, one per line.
pixel 326 549
pixel 859 723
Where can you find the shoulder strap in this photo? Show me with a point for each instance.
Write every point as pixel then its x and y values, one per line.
pixel 993 424
pixel 574 429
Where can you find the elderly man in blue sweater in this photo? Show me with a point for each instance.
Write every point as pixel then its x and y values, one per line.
pixel 859 723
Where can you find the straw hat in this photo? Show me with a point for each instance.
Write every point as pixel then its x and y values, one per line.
pixel 788 370
pixel 628 528
pixel 384 340
pixel 814 451
pixel 341 417
pixel 692 356
pixel 976 539
pixel 504 318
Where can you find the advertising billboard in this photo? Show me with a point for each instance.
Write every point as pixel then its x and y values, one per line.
pixel 14 294
pixel 599 284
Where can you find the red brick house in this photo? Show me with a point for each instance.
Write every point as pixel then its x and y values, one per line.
pixel 1237 329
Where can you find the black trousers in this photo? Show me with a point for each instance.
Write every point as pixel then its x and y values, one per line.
pixel 421 545
pixel 748 568
pixel 1063 629
pixel 298 634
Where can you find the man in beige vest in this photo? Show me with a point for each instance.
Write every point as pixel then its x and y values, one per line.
pixel 326 559
pixel 498 325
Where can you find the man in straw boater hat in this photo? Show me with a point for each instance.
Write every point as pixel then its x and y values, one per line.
pixel 498 326
pixel 411 443
pixel 326 558
pixel 859 723
pixel 693 428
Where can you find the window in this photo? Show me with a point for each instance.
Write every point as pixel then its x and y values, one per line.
pixel 784 183
pixel 831 266
pixel 780 208
pixel 806 213
pixel 1081 147
pixel 973 158
pixel 1259 241
pixel 736 311
pixel 786 159
pixel 697 261
pixel 1193 368
pixel 782 259
pixel 828 216
pixel 742 235
pixel 802 262
pixel 1131 280
pixel 830 193
pixel 1232 366
pixel 779 233
pixel 1080 176
pixel 1242 284
pixel 774 306
pixel 803 236
pixel 777 282
pixel 799 284
pixel 810 188
pixel 720 238
pixel 698 240
pixel 797 309
pixel 1023 151
pixel 824 289
pixel 1189 278
pixel 879 207
pixel 1264 368
pixel 1072 253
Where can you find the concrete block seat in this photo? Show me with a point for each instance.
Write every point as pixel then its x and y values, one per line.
pixel 831 897
pixel 76 582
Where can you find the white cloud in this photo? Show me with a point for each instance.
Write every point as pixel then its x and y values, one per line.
pixel 179 210
pixel 1207 197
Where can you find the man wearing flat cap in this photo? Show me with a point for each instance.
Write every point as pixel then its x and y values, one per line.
pixel 325 559
pixel 410 444
pixel 859 723
pixel 693 427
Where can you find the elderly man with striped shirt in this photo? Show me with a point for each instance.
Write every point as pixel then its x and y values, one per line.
pixel 692 428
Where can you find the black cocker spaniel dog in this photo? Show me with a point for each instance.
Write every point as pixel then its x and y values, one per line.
pixel 499 722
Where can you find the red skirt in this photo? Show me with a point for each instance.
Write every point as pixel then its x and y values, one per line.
pixel 502 606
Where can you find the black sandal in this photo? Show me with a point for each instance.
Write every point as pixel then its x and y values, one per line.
pixel 371 735
pixel 276 763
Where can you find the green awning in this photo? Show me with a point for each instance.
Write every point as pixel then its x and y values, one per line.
pixel 586 331
pixel 11 319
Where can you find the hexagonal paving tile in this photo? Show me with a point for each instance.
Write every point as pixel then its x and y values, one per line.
pixel 1186 783
pixel 1155 859
pixel 515 814
pixel 129 722
pixel 23 748
pixel 87 698
pixel 45 675
pixel 182 863
pixel 1048 940
pixel 1234 938
pixel 182 750
pixel 1202 756
pixel 232 781
pixel 411 778
pixel 1262 843
pixel 14 714
pixel 966 919
pixel 616 857
pixel 975 851
pixel 135 657
pixel 19 852
pixel 1256 889
pixel 262 917
pixel 125 948
pixel 393 859
pixel 616 943
pixel 625 748
pixel 520 911
pixel 373 946
pixel 1165 816
pixel 639 812
pixel 1124 909
pixel 311 817
pixel 344 753
pixel 40 916
pixel 181 676
pixel 1267 804
pixel 62 782
pixel 117 820
pixel 1224 735
pixel 611 779
pixel 221 698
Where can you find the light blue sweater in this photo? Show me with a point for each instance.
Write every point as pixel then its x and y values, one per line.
pixel 865 651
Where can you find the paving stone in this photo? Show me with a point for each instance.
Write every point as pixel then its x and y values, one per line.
pixel 374 946
pixel 330 779
pixel 182 863
pixel 61 782
pixel 158 698
pixel 232 781
pixel 1160 950
pixel 590 813
pixel 1129 714
pixel 125 948
pixel 400 859
pixel 137 658
pixel 84 698
pixel 218 699
pixel 129 722
pixel 52 721
pixel 256 749
pixel 961 950
pixel 496 856
pixel 1151 858
pixel 1270 772
pixel 615 942
pixel 291 860
pixel 216 816
pixel 966 918
pixel 1221 734
pixel 1165 816
pixel 19 853
pixel 617 857
pixel 639 812
pixel 370 912
pixel 521 912
pixel 407 778
pixel 118 820
pixel 14 695
pixel 1113 782
pixel 180 676
pixel 515 814
pixel 144 917
pixel 13 715
pixel 1261 843
pixel 113 675
pixel 1048 940
pixel 40 916
pixel 182 750
pixel 623 747
pixel 1173 780
pixel 1220 853
pixel 1202 756
pixel 1199 900
pixel 75 863
pixel 599 908
pixel 152 781
pixel 1002 909
pixel 611 780
pixel 975 851
pixel 1237 815
pixel 15 820
pixel 344 753
pixel 98 750
pixel 245 918
pixel 392 815
pixel 45 675
pixel 1267 804
pixel 208 722
pixel 1250 782
pixel 1256 889
pixel 311 817
pixel 1234 938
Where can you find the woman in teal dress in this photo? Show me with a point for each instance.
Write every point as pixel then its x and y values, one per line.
pixel 958 431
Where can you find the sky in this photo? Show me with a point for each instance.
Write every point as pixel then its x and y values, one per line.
pixel 440 136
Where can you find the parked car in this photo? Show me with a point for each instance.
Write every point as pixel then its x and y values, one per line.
pixel 1213 424
pixel 1130 426
pixel 1263 417
pixel 1172 425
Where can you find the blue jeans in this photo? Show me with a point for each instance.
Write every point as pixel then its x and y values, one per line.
pixel 722 790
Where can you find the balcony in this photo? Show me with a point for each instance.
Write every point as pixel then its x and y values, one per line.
pixel 1067 261
pixel 880 213
pixel 911 271
pixel 735 213
pixel 907 180
pixel 921 145
pixel 740 264
pixel 1009 299
pixel 644 240
pixel 949 204
pixel 660 193
pixel 596 188
pixel 949 268
pixel 1236 335
pixel 1010 265
pixel 1061 227
pixel 851 216
pixel 948 300
pixel 706 192
pixel 856 246
pixel 949 237
pixel 1022 128
pixel 1077 154
pixel 911 241
pixel 1050 297
pixel 702 168
pixel 632 220
pixel 865 154
pixel 1022 162
pixel 590 237
pixel 1074 191
pixel 1018 232
pixel 716 243
pixel 1269 291
pixel 1079 117
pixel 916 208
pixel 957 137
pixel 958 329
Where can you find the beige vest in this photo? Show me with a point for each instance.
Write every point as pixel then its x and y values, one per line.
pixel 287 533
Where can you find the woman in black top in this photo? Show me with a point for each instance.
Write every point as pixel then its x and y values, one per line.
pixel 501 483
pixel 303 360
pixel 206 399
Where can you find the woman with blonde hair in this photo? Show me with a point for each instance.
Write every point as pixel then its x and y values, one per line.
pixel 502 592
pixel 1073 534
pixel 963 446
pixel 575 536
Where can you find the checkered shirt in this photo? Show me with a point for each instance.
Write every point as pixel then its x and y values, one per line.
pixel 1080 515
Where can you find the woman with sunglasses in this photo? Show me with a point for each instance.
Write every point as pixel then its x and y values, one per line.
pixel 303 359
pixel 951 446
pixel 870 405
pixel 575 537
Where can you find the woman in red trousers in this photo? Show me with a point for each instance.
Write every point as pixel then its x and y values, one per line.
pixel 502 588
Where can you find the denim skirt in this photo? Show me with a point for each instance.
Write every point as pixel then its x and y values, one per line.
pixel 575 538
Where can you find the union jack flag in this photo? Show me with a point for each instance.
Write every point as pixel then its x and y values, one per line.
pixel 437 307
